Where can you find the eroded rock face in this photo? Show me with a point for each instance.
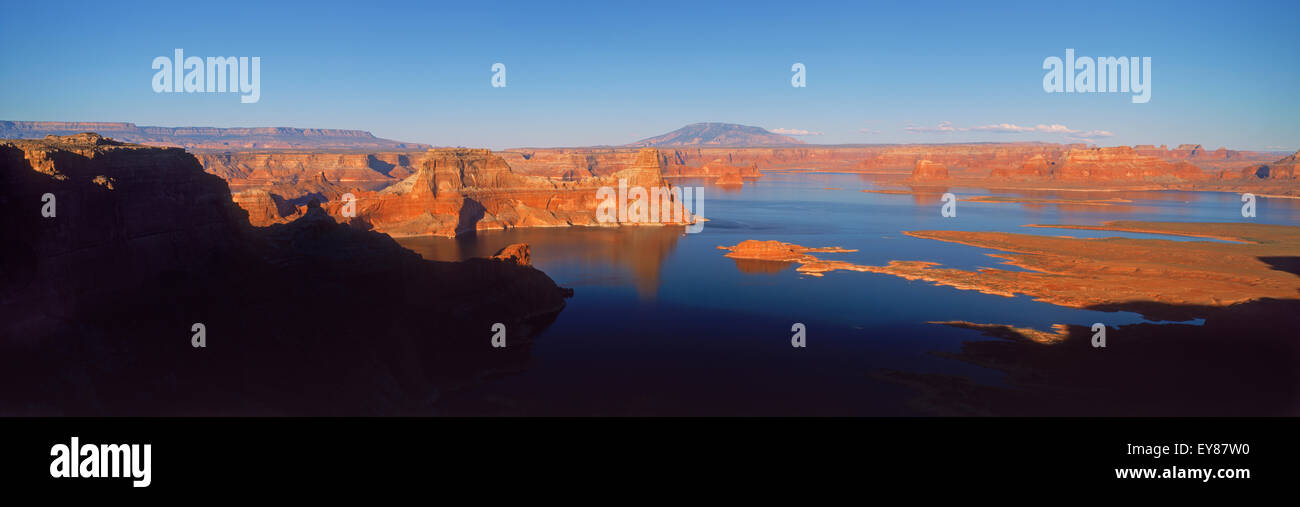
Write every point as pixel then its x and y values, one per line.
pixel 517 253
pixel 1284 169
pixel 311 316
pixel 1117 165
pixel 457 191
pixel 269 168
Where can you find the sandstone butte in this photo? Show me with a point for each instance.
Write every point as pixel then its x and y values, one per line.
pixel 1093 273
pixel 310 317
pixel 926 170
pixel 454 191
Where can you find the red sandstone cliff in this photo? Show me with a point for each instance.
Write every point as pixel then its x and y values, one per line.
pixel 1284 169
pixel 455 191
pixel 1118 165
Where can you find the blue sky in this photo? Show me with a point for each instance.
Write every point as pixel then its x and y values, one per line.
pixel 1223 74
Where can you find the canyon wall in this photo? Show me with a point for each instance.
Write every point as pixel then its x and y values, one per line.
pixel 1117 165
pixel 457 191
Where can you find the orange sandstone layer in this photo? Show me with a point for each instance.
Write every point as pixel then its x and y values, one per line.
pixel 455 191
pixel 1084 273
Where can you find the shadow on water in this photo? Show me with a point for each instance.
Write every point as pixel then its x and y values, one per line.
pixel 1240 362
pixel 570 254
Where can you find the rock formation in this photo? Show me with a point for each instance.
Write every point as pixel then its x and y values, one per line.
pixel 1118 165
pixel 1284 169
pixel 517 253
pixel 926 170
pixel 787 253
pixel 457 191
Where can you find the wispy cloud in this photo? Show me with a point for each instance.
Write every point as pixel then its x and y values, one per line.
pixel 866 130
pixel 795 132
pixel 1011 128
pixel 944 127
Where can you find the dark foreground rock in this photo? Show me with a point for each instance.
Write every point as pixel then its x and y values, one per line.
pixel 99 303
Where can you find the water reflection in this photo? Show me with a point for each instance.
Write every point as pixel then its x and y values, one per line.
pixel 572 256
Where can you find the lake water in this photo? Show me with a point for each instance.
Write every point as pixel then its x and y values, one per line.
pixel 661 323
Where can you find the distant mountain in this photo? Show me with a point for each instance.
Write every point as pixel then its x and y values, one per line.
pixel 718 134
pixel 210 138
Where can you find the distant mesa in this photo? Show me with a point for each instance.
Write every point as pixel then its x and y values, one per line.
pixel 210 138
pixel 717 134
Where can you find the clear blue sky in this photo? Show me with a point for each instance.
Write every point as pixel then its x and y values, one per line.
pixel 1224 73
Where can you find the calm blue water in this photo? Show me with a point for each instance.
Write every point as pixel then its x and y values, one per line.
pixel 661 323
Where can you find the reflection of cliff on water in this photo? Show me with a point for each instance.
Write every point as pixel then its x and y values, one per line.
pixel 928 196
pixel 761 267
pixel 570 252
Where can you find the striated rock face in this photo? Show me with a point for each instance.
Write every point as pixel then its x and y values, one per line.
pixel 1122 165
pixel 306 317
pixel 457 191
pixel 926 170
pixel 267 168
pixel 210 137
pixel 579 163
pixel 517 253
pixel 1284 169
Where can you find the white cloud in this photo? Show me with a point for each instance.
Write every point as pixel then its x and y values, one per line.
pixel 1011 128
pixel 795 132
pixel 865 130
pixel 944 127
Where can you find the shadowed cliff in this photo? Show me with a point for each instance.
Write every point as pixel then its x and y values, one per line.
pixel 309 317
